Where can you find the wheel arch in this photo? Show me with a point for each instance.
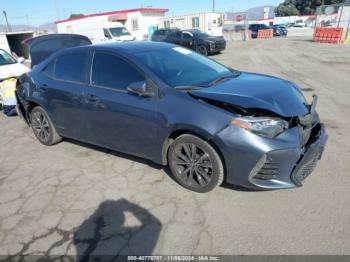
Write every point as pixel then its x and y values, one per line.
pixel 202 134
pixel 30 104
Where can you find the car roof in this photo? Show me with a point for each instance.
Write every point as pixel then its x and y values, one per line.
pixel 131 47
pixel 192 31
pixel 121 48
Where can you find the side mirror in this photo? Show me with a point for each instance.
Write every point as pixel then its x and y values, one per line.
pixel 140 89
pixel 20 60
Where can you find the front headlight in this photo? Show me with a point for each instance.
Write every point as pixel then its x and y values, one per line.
pixel 263 126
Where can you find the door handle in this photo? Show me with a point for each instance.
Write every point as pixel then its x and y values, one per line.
pixel 92 98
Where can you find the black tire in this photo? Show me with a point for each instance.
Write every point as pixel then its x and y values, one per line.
pixel 195 164
pixel 43 128
pixel 202 50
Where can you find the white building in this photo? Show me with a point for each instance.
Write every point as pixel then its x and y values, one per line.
pixel 139 22
pixel 210 23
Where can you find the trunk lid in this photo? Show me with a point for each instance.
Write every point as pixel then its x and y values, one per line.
pixel 42 47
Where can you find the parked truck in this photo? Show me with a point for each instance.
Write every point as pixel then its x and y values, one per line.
pixel 97 32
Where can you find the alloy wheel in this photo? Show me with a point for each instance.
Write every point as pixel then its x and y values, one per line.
pixel 203 50
pixel 40 125
pixel 193 165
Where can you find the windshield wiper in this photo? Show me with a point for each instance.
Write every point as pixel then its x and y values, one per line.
pixel 221 79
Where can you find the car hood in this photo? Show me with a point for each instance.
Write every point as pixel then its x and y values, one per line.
pixel 256 91
pixel 12 70
pixel 214 39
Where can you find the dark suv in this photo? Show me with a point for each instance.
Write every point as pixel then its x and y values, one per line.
pixel 256 27
pixel 162 34
pixel 193 39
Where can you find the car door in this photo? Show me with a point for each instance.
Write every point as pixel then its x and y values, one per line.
pixel 115 117
pixel 174 38
pixel 61 85
pixel 187 40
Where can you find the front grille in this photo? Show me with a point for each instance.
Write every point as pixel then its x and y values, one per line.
pixel 268 171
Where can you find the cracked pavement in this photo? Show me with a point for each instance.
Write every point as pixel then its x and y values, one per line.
pixel 74 198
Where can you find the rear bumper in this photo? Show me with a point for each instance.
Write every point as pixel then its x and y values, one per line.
pixel 261 163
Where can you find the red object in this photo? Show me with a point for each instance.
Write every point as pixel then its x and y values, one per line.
pixel 117 17
pixel 249 34
pixel 144 10
pixel 265 33
pixel 328 35
pixel 239 18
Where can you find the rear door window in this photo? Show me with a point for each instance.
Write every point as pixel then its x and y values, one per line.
pixel 113 72
pixel 71 67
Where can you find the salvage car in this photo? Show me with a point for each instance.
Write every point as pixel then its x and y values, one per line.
pixel 195 39
pixel 209 123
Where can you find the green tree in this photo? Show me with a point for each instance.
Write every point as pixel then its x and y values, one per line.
pixel 302 7
pixel 75 16
pixel 286 10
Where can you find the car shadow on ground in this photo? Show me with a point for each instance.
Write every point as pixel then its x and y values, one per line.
pixel 116 228
pixel 149 163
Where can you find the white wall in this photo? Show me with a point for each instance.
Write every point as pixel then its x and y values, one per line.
pixel 145 20
pixel 206 22
pixel 3 42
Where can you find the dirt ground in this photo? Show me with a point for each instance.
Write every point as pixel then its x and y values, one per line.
pixel 78 199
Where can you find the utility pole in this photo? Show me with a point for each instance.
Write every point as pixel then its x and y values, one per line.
pixel 7 22
pixel 213 6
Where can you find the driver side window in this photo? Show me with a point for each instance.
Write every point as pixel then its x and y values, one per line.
pixel 186 36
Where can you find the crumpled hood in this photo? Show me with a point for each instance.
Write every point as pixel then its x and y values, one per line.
pixel 250 90
pixel 14 70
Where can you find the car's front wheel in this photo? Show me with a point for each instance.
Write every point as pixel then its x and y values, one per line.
pixel 202 50
pixel 195 164
pixel 43 128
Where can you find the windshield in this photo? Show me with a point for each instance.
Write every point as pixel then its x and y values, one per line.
pixel 178 66
pixel 6 58
pixel 119 31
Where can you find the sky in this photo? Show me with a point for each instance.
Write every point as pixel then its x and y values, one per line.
pixel 37 12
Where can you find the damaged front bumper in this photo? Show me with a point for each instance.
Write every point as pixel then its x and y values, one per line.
pixel 264 163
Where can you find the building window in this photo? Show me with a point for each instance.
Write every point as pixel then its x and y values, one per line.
pixel 135 24
pixel 195 22
pixel 166 24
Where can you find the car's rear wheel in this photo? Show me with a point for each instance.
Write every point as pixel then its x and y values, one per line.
pixel 43 128
pixel 202 50
pixel 195 164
